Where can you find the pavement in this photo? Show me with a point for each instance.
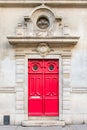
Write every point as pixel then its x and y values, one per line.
pixel 67 127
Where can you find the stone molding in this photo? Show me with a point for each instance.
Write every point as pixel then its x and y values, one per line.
pixel 79 90
pixel 42 6
pixel 70 40
pixel 7 90
pixel 58 3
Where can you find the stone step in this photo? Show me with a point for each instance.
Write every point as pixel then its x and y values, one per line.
pixel 43 123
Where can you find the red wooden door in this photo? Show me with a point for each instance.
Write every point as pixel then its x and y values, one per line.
pixel 43 88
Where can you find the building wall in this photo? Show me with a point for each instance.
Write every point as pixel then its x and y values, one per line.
pixel 76 18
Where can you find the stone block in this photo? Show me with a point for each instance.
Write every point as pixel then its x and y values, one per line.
pixel 79 103
pixel 7 103
pixel 67 112
pixel 19 67
pixel 19 77
pixel 19 111
pixel 43 123
pixel 66 105
pixel 20 105
pixel 20 96
pixel 66 64
pixel 66 94
pixel 19 118
pixel 20 71
pixel 66 80
pixel 12 119
pixel 66 75
pixel 77 119
pixel 67 119
pixel 66 98
pixel 66 89
pixel 20 88
pixel 85 119
pixel 1 119
pixel 20 61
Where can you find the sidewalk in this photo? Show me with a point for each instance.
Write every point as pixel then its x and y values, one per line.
pixel 67 127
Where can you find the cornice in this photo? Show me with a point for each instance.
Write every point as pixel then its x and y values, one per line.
pixel 53 3
pixel 31 40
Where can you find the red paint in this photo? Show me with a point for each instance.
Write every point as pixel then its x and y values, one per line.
pixel 43 88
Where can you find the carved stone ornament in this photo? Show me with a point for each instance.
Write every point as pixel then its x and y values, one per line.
pixel 43 22
pixel 43 49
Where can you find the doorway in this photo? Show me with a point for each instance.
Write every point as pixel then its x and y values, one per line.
pixel 43 87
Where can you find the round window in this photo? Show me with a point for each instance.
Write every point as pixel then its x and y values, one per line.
pixel 51 67
pixel 43 22
pixel 35 67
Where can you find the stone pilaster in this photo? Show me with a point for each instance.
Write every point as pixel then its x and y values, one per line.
pixel 20 77
pixel 66 70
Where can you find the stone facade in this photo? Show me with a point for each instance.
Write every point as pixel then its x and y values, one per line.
pixel 22 38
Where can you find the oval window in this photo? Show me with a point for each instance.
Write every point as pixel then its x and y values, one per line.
pixel 35 67
pixel 43 22
pixel 51 67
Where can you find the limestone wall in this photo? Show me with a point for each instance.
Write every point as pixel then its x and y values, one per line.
pixel 12 88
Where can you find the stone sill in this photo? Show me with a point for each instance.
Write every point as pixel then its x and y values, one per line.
pixel 43 123
pixel 28 40
pixel 60 3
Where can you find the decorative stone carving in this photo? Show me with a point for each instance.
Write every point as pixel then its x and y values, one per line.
pixel 66 30
pixel 43 49
pixel 43 22
pixel 19 30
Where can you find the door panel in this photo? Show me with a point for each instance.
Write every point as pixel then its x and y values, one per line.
pixel 35 107
pixel 35 86
pixel 35 91
pixel 43 92
pixel 51 107
pixel 35 95
pixel 51 87
pixel 35 66
pixel 51 66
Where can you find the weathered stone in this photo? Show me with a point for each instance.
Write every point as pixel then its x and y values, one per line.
pixel 51 40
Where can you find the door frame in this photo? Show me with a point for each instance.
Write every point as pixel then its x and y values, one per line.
pixel 37 56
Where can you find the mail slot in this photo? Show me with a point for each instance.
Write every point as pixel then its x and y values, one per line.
pixel 34 97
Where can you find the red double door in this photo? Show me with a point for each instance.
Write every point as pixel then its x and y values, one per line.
pixel 43 88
